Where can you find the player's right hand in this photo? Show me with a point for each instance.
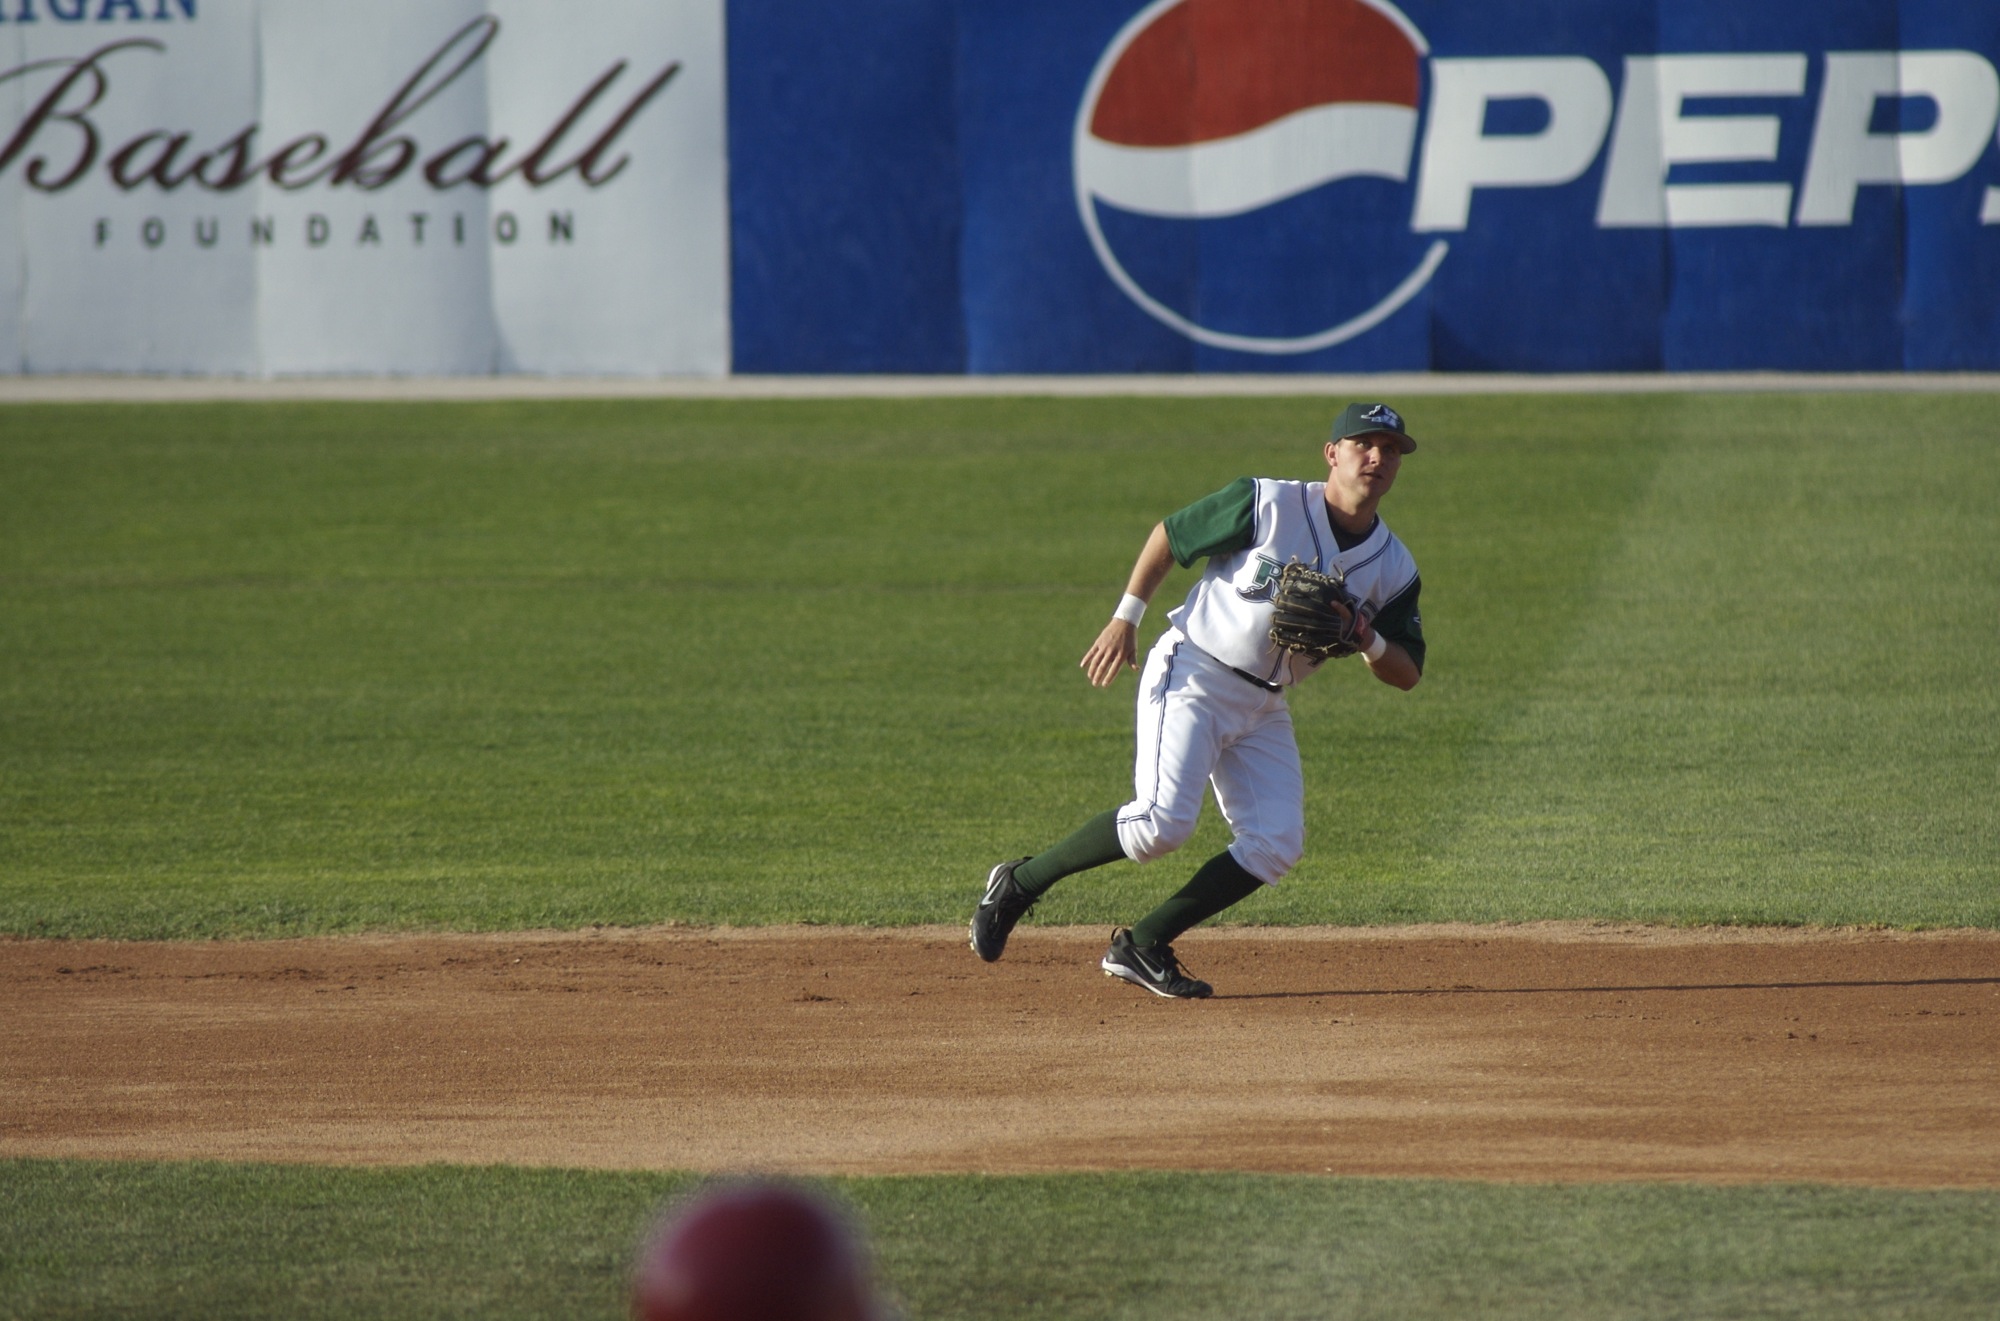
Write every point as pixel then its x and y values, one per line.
pixel 1116 649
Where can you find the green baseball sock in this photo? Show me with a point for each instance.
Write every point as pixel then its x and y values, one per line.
pixel 1094 844
pixel 1220 883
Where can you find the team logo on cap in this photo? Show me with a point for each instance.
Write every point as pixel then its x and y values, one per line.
pixel 1216 127
pixel 1385 415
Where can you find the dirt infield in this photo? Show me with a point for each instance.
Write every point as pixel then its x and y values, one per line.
pixel 1545 1052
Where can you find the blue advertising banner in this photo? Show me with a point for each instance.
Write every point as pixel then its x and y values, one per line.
pixel 844 187
pixel 1951 273
pixel 1353 185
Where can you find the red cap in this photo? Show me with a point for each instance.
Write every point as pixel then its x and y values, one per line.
pixel 756 1252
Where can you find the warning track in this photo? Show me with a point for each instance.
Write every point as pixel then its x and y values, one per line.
pixel 1546 1052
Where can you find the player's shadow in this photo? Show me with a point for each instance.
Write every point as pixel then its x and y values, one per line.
pixel 1352 993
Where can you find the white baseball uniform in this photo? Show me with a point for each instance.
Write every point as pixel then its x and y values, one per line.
pixel 1211 698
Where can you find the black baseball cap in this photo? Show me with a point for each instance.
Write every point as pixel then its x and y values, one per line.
pixel 1371 419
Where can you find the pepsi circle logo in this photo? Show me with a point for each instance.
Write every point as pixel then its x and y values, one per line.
pixel 1242 168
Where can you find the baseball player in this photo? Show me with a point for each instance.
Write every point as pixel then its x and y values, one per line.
pixel 1211 706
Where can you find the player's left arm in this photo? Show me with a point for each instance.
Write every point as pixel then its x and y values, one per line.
pixel 1401 629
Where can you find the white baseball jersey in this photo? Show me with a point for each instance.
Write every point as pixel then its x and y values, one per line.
pixel 1250 530
pixel 1201 725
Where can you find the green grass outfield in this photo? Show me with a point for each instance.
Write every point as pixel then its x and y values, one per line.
pixel 219 1242
pixel 283 669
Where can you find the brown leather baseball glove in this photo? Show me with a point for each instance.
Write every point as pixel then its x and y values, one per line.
pixel 1312 613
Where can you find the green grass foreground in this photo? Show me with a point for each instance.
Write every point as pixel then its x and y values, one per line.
pixel 220 1241
pixel 308 668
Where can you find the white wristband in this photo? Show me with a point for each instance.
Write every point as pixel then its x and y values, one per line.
pixel 1373 651
pixel 1131 609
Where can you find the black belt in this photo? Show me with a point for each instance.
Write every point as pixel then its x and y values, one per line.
pixel 1265 684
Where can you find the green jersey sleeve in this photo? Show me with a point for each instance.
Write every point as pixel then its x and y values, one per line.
pixel 1399 622
pixel 1218 524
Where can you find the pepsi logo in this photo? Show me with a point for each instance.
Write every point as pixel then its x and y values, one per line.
pixel 1204 124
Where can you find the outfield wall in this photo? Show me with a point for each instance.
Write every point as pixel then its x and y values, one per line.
pixel 998 186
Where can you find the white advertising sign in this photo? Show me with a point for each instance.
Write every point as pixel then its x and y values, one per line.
pixel 288 186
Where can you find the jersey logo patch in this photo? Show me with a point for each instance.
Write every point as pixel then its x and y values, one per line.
pixel 1265 582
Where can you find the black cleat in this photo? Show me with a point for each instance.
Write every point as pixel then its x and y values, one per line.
pixel 1153 967
pixel 1003 904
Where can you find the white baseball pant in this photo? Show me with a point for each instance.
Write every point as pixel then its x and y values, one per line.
pixel 1202 723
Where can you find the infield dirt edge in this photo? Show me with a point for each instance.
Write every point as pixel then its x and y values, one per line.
pixel 1536 1052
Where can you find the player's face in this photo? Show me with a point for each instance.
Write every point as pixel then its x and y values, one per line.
pixel 1363 467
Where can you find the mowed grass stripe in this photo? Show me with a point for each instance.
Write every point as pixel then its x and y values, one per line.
pixel 1782 703
pixel 106 1240
pixel 306 668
